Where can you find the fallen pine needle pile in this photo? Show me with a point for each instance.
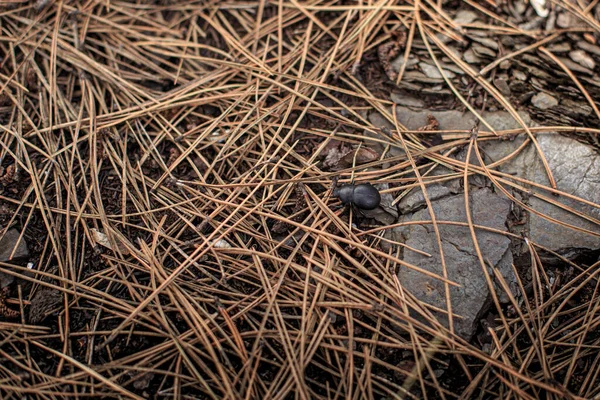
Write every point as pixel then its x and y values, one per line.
pixel 170 166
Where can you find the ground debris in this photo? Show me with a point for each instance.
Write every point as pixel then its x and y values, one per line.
pixel 45 301
pixel 544 101
pixel 432 124
pixel 134 133
pixel 389 51
pixel 4 310
pixel 12 247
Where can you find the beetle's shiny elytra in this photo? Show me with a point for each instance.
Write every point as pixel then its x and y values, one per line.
pixel 364 196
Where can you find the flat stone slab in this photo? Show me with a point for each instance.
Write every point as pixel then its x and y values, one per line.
pixel 456 120
pixel 416 198
pixel 575 167
pixel 472 297
pixel 414 119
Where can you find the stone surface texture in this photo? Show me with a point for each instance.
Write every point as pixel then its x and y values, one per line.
pixel 574 165
pixel 457 120
pixel 543 101
pixel 416 199
pixel 463 266
pixel 576 169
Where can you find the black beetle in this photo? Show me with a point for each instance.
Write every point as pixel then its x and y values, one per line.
pixel 364 196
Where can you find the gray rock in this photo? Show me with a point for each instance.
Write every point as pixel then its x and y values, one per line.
pixel 573 66
pixel 538 84
pixel 582 58
pixel 379 121
pixel 471 298
pixel 568 20
pixel 418 76
pixel 533 24
pixel 543 101
pixel 590 48
pixel 551 21
pixel 561 47
pixel 501 83
pixel 482 51
pixel 506 64
pixel 519 8
pixel 520 75
pixel 447 67
pixel 443 38
pixel 6 279
pixel 431 71
pixel 454 50
pixel 470 57
pixel 416 199
pixel 399 61
pixel 11 245
pixel 408 101
pixel 456 120
pixel 576 169
pixel 485 41
pixel 465 17
pixel 576 107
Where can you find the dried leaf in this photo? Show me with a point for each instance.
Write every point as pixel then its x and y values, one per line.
pixel 9 175
pixel 103 240
pixel 389 51
pixel 432 124
pixel 363 155
pixel 334 152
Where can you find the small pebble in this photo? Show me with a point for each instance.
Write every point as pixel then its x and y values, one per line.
pixel 561 47
pixel 470 57
pixel 540 7
pixel 543 101
pixel 431 71
pixel 589 47
pixel 482 51
pixel 502 84
pixel 582 58
pixel 465 17
pixel 568 20
pixel 505 64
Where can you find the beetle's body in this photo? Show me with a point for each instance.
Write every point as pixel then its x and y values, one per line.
pixel 364 196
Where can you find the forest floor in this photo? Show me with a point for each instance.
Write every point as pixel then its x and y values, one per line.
pixel 167 215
